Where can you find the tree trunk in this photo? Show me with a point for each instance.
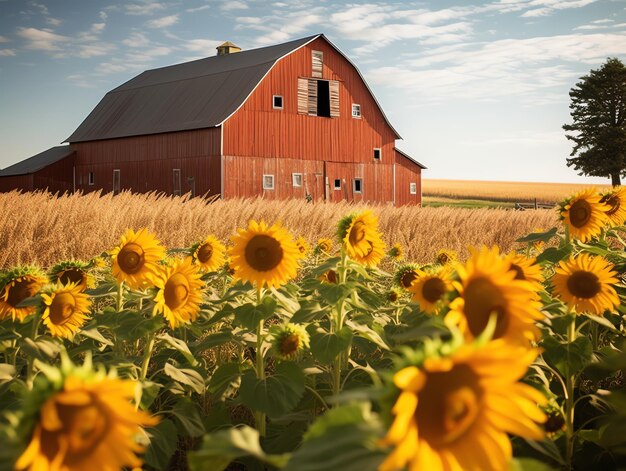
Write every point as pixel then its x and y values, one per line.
pixel 615 179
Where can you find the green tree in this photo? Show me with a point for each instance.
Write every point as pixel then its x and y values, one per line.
pixel 598 109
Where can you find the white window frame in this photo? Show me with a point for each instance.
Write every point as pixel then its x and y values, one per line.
pixel 265 185
pixel 118 173
pixel 413 188
pixel 354 190
pixel 177 182
pixel 90 178
pixel 380 154
pixel 356 111
pixel 335 187
pixel 282 101
pixel 294 182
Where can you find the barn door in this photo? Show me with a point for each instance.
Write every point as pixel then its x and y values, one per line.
pixel 176 190
pixel 116 181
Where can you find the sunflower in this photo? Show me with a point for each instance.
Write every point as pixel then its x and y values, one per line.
pixel 72 272
pixel 429 289
pixel 179 292
pixel 445 256
pixel 585 284
pixel 16 286
pixel 135 259
pixel 209 254
pixel 88 424
pixel 616 201
pixel 526 268
pixel 303 246
pixel 323 246
pixel 455 412
pixel 66 309
pixel 488 286
pixel 584 214
pixel 264 255
pixel 396 252
pixel 329 276
pixel 393 295
pixel 288 340
pixel 361 239
pixel 405 275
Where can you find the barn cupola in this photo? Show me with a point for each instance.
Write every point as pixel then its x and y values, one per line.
pixel 227 48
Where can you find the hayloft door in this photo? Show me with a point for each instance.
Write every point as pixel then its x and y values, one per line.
pixel 116 181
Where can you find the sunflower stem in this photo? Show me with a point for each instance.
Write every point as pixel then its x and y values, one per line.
pixel 147 355
pixel 259 416
pixel 120 297
pixel 31 360
pixel 338 325
pixel 569 398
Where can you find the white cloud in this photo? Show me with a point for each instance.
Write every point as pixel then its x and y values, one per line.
pixel 146 55
pixel 98 27
pixel 103 15
pixel 53 21
pixel 163 22
pixel 4 39
pixel 202 8
pixel 94 50
pixel 234 5
pixel 41 39
pixel 144 8
pixel 7 52
pixel 547 7
pixel 204 46
pixel 136 40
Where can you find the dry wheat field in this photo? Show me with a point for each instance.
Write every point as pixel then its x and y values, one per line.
pixel 43 229
pixel 503 191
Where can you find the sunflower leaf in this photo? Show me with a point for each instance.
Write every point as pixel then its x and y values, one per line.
pixel 163 440
pixel 188 418
pixel 249 315
pixel 275 395
pixel 554 255
pixel 538 236
pixel 185 376
pixel 226 379
pixel 179 345
pixel 326 346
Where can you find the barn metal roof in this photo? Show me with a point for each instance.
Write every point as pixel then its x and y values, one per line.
pixel 404 154
pixel 192 95
pixel 37 162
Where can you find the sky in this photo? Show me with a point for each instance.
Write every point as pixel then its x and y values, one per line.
pixel 478 90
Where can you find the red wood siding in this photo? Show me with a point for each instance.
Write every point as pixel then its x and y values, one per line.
pixel 146 163
pixel 407 172
pixel 18 182
pixel 56 177
pixel 376 182
pixel 258 130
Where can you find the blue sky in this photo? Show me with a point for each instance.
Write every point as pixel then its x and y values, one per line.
pixel 478 90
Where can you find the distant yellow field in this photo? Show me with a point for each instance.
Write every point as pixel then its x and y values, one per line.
pixel 503 191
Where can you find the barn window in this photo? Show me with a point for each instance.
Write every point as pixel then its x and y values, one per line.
pixel 318 97
pixel 317 63
pixel 358 185
pixel 268 182
pixel 176 186
pixel 356 110
pixel 377 153
pixel 191 183
pixel 337 184
pixel 277 102
pixel 90 178
pixel 413 188
pixel 116 181
pixel 296 180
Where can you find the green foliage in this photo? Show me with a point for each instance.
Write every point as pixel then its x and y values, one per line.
pixel 598 110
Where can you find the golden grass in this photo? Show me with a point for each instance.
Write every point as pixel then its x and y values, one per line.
pixel 503 191
pixel 43 229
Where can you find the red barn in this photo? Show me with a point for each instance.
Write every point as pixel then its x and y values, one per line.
pixel 295 120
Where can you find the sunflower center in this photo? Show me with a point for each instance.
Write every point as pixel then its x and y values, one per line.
pixel 62 308
pixel 176 291
pixel 433 289
pixel 448 406
pixel 71 275
pixel 131 258
pixel 263 253
pixel 584 284
pixel 21 290
pixel 357 233
pixel 482 298
pixel 205 252
pixel 331 276
pixel 443 258
pixel 407 278
pixel 84 426
pixel 580 213
pixel 519 273
pixel 289 344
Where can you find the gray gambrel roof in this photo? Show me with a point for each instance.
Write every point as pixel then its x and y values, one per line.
pixel 193 95
pixel 37 162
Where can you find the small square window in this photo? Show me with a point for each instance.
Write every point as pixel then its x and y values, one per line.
pixel 296 180
pixel 337 184
pixel 91 178
pixel 413 188
pixel 377 154
pixel 356 110
pixel 277 102
pixel 358 185
pixel 268 182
